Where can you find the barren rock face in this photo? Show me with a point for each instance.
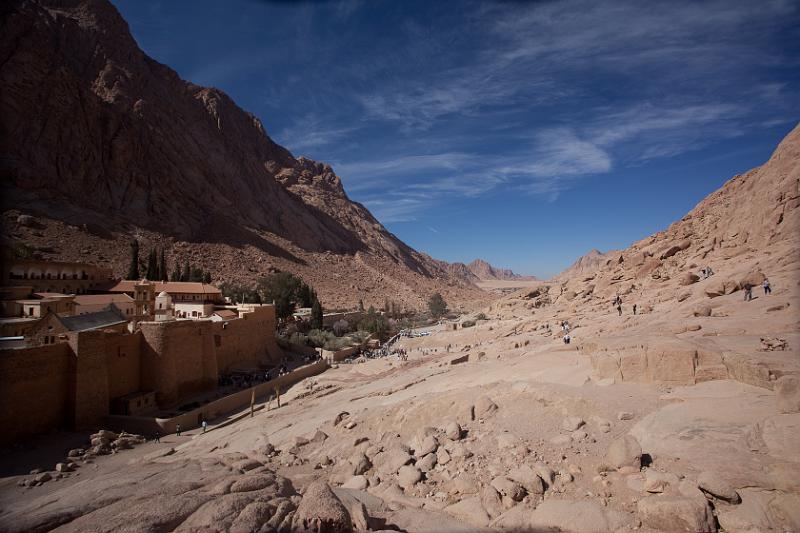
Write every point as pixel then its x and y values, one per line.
pixel 96 133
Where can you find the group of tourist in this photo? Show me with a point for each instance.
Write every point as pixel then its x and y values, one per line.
pixel 748 289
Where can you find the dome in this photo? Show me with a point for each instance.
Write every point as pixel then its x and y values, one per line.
pixel 163 294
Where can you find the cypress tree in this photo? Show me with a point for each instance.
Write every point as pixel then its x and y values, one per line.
pixel 187 272
pixel 316 314
pixel 207 277
pixel 162 267
pixel 152 273
pixel 176 274
pixel 133 269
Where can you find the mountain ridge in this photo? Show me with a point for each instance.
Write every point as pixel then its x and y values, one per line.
pixel 101 143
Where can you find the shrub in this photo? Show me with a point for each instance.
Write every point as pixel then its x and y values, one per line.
pixel 467 323
pixel 481 316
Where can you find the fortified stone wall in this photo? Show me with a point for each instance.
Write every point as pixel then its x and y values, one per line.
pixel 124 364
pixel 247 341
pixel 177 359
pixel 34 390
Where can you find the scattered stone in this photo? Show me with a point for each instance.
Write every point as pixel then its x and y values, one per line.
pixel 360 462
pixel 389 462
pixel 702 310
pixel 664 513
pixel 428 445
pixel 491 501
pixel 408 476
pixel 508 488
pixel 321 510
pixel 711 483
pixel 44 477
pixel 319 437
pixel 350 425
pixel 625 451
pixel 584 516
pixel 63 467
pixel 688 278
pixel 484 406
pixel 506 441
pixel 359 482
pixel 442 457
pixel 579 435
pixel 341 416
pixel 427 463
pixel 625 415
pixel 530 480
pixel 453 430
pixel 469 510
pixel 773 344
pixel 76 452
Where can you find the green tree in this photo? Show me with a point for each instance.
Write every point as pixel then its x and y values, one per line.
pixel 437 306
pixel 186 275
pixel 133 268
pixel 162 267
pixel 361 305
pixel 316 314
pixel 176 274
pixel 207 277
pixel 282 288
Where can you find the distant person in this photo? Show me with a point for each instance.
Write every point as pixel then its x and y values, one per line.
pixel 748 292
pixel 158 436
pixel 205 426
pixel 567 338
pixel 634 309
pixel 767 287
pixel 178 430
pixel 619 309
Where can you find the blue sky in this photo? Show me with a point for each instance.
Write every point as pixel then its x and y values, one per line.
pixel 524 133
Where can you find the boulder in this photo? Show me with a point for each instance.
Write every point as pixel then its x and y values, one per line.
pixel 427 463
pixel 408 476
pixel 702 310
pixel 428 445
pixel 688 278
pixel 356 482
pixel 44 477
pixel 319 437
pixel 491 501
pixel 63 467
pixel 359 516
pixel 530 480
pixel 713 484
pixel 574 516
pixel 470 511
pixel 625 451
pixel 453 430
pixel 625 415
pixel 571 423
pixel 484 406
pixel 389 462
pixel 787 394
pixel 360 463
pixel 321 510
pixel 673 514
pixel 442 456
pixel 754 278
pixel 508 488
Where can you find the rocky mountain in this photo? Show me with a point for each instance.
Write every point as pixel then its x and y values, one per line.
pixel 484 271
pixel 100 143
pixel 586 264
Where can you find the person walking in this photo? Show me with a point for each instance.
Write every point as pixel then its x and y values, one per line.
pixel 748 292
pixel 158 436
pixel 205 426
pixel 634 309
pixel 178 430
pixel 767 287
pixel 619 309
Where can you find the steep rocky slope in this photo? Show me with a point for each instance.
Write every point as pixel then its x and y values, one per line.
pixel 586 264
pixel 100 143
pixel 485 271
pixel 688 327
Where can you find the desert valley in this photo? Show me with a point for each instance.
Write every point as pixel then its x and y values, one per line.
pixel 281 361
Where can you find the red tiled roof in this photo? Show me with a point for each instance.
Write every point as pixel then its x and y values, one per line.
pixel 102 299
pixel 226 313
pixel 171 287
